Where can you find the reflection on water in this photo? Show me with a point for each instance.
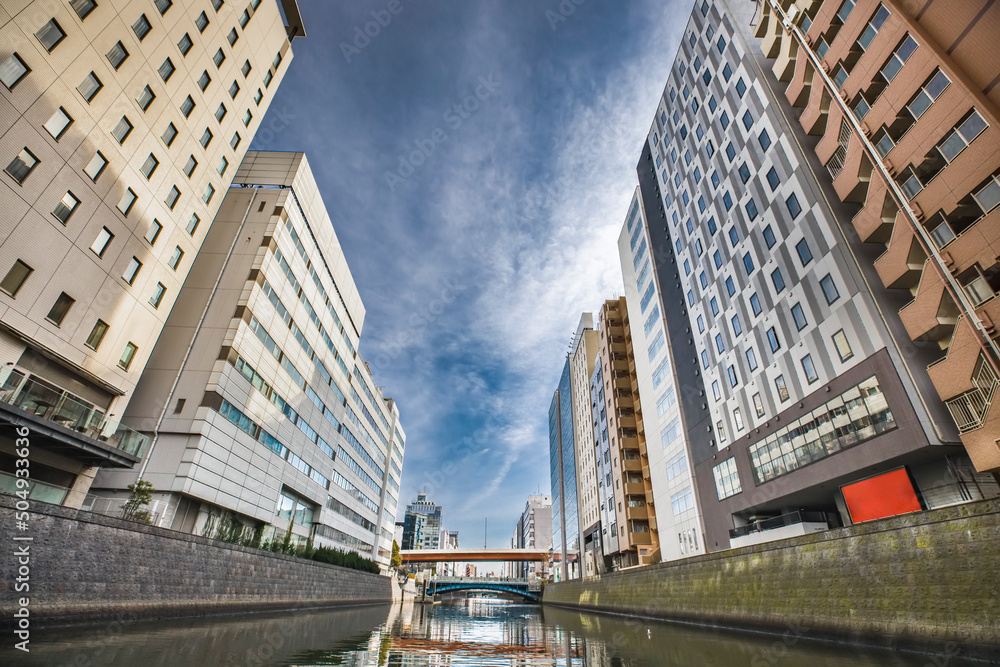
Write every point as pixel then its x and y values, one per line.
pixel 474 633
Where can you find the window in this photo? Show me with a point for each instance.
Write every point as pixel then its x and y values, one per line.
pixel 149 166
pixel 701 324
pixel 201 22
pixel 764 139
pixel 191 165
pixel 175 258
pixel 220 113
pixel 724 120
pixel 101 243
pixel 747 120
pixel 218 4
pixel 206 138
pixel 738 419
pixel 131 271
pixel 957 140
pixel 868 34
pixel 727 72
pixel 12 71
pixel 22 165
pixel 127 201
pixel 842 345
pixel 192 224
pixel 677 465
pixel 772 339
pixel 737 329
pixel 751 208
pixel 15 278
pixel 219 58
pixel 777 280
pixel 223 166
pixel 987 194
pixel 257 97
pixel 57 125
pixel 172 197
pixel 127 356
pixel 741 87
pixel 704 359
pixel 82 7
pixel 235 141
pixel 166 70
pixel 268 77
pixel 727 201
pixel 234 90
pixel 122 130
pixel 928 93
pixel 744 172
pixel 829 288
pixel 60 308
pixel 768 234
pixel 720 429
pixel 758 405
pixel 748 263
pixel 89 87
pixel 169 134
pixel 730 286
pixel 117 55
pixel 203 82
pixel 779 386
pixel 246 69
pixel 50 34
pixel 64 209
pixel 755 304
pixel 682 502
pixel 145 98
pixel 734 237
pixel 809 369
pixel 187 106
pixel 163 5
pixel 158 293
pixel 733 379
pixel 247 118
pixel 720 345
pixel 209 193
pixel 153 232
pixel 141 27
pixel 716 391
pixel 898 58
pixel 799 316
pixel 730 152
pixel 717 258
pixel 97 334
pixel 96 166
pixel 714 305
pixel 233 36
pixel 721 44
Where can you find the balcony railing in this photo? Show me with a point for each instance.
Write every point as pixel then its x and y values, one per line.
pixel 969 409
pixel 63 408
pixel 789 519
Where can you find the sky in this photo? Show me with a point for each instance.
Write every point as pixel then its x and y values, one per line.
pixel 477 158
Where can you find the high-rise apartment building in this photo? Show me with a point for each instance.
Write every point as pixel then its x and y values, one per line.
pixel 624 462
pixel 259 407
pixel 802 399
pixel 674 506
pixel 562 473
pixel 422 524
pixel 581 360
pixel 903 98
pixel 122 127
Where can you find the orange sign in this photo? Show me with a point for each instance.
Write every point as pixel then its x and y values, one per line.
pixel 884 495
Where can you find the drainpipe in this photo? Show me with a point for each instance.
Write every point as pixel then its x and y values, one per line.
pixel 194 337
pixel 954 289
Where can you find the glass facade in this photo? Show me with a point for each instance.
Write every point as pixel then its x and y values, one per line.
pixel 565 508
pixel 858 414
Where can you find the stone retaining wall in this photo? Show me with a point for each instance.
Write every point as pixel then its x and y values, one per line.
pixel 925 578
pixel 89 568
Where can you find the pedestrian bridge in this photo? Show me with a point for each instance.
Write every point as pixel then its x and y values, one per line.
pixel 472 555
pixel 531 592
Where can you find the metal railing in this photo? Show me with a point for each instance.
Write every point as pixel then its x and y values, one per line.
pixel 789 519
pixel 69 411
pixel 969 409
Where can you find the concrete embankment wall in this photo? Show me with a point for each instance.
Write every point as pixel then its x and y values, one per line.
pixel 930 578
pixel 90 568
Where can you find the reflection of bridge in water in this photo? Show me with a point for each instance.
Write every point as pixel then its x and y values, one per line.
pixel 523 588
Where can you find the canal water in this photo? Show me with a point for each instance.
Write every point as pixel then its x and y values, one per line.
pixel 473 633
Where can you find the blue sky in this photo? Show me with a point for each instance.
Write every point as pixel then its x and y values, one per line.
pixel 477 159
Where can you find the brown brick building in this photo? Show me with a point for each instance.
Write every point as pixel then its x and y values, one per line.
pixel 902 97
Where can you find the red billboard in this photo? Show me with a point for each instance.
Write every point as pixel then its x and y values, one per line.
pixel 884 495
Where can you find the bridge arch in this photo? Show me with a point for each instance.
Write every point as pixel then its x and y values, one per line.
pixel 511 588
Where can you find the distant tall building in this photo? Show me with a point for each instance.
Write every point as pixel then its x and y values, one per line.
pixel 422 525
pixel 533 531
pixel 260 409
pixel 571 458
pixel 803 403
pixel 123 126
pixel 449 541
pixel 582 357
pixel 624 466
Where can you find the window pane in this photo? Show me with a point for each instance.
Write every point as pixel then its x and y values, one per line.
pixel 83 7
pixel 102 241
pixel 57 125
pixel 90 86
pixel 117 55
pixel 185 44
pixel 163 5
pixel 157 297
pixel 153 232
pixel 132 271
pixel 96 166
pixel 149 166
pixel 21 165
pixel 97 334
pixel 191 165
pixel 65 207
pixel 122 130
pixel 60 308
pixel 166 70
pixel 201 22
pixel 50 35
pixel 12 71
pixel 145 98
pixel 192 224
pixel 15 278
pixel 126 202
pixel 128 355
pixel 141 27
pixel 989 196
pixel 169 134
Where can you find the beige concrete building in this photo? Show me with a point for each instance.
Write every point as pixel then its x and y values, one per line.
pixel 121 127
pixel 903 100
pixel 581 368
pixel 259 408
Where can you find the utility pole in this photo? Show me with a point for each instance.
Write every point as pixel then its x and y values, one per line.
pixel 486 523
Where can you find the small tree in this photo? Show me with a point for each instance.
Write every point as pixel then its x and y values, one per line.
pixel 396 560
pixel 134 509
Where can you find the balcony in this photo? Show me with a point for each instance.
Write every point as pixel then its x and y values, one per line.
pixel 68 424
pixel 969 409
pixel 778 528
